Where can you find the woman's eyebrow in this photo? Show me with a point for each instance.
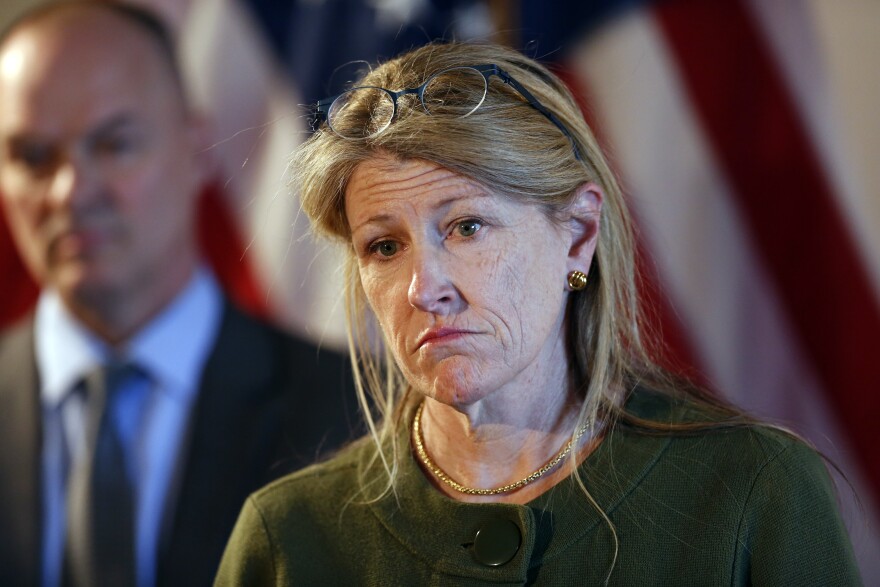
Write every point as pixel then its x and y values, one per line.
pixel 441 205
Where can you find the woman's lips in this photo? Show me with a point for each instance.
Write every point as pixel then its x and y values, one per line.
pixel 440 335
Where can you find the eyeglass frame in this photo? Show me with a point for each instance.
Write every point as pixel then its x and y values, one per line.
pixel 321 110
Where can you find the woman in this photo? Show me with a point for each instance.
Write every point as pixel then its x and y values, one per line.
pixel 520 431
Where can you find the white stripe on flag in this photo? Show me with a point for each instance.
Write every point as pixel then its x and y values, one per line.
pixel 716 281
pixel 257 124
pixel 829 54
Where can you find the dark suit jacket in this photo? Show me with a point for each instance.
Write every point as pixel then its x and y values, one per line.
pixel 267 404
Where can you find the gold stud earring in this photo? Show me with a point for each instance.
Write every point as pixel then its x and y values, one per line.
pixel 577 280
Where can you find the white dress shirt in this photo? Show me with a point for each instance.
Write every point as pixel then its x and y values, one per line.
pixel 172 350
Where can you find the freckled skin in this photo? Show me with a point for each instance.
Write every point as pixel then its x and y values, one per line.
pixel 469 289
pixel 504 285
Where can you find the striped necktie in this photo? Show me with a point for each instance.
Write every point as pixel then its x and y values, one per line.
pixel 100 549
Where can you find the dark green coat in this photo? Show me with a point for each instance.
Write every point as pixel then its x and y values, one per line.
pixel 739 507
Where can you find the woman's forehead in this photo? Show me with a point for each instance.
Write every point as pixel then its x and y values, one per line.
pixel 381 184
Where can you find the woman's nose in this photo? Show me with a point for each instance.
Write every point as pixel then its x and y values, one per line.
pixel 431 288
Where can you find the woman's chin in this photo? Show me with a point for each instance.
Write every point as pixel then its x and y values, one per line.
pixel 458 385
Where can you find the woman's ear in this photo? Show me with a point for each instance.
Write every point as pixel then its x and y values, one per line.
pixel 583 222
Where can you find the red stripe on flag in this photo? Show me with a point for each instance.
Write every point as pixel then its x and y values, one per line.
pixel 19 292
pixel 784 195
pixel 224 249
pixel 678 353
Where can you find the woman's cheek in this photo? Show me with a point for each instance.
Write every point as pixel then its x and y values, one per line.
pixel 372 286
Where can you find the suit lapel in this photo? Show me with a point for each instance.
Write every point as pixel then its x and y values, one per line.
pixel 235 421
pixel 20 441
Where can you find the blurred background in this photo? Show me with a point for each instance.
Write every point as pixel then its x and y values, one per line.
pixel 745 133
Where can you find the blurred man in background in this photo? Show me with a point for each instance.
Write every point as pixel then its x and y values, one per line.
pixel 138 408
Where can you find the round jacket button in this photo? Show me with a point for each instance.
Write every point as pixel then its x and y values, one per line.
pixel 496 542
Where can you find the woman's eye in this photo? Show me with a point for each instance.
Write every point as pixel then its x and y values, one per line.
pixel 385 248
pixel 468 227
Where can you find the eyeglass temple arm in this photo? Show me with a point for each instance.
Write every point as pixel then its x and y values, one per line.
pixel 540 108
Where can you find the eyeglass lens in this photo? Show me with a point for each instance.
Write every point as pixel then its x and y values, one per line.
pixel 365 112
pixel 455 92
pixel 361 113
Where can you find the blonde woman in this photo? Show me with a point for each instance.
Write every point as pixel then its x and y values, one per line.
pixel 520 431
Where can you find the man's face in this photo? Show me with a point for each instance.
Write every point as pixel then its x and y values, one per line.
pixel 98 167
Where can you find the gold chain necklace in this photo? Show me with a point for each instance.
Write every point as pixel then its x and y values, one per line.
pixel 441 475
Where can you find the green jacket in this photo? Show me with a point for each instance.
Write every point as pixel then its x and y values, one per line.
pixel 748 506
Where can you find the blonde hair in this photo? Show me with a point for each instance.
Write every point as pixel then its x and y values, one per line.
pixel 512 147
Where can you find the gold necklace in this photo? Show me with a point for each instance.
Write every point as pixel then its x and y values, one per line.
pixel 441 475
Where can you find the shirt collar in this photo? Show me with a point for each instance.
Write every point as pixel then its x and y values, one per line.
pixel 65 349
pixel 172 347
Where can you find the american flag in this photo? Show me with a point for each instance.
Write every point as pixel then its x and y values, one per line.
pixel 743 133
